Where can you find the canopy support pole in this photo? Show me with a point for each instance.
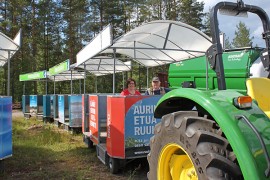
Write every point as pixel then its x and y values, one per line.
pixel 53 84
pixel 8 85
pixel 84 66
pixel 147 76
pixel 123 80
pixel 24 88
pixel 80 82
pixel 46 86
pixel 139 81
pixel 206 84
pixel 96 84
pixel 114 57
pixel 139 64
pixel 71 83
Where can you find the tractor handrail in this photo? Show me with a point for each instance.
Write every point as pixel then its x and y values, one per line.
pixel 253 128
pixel 214 53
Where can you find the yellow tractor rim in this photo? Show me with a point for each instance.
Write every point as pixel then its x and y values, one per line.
pixel 175 164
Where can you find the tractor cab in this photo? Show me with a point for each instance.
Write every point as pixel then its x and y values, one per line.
pixel 256 88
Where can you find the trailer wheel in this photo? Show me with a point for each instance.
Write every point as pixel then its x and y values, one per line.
pixel 114 165
pixel 88 142
pixel 2 166
pixel 186 146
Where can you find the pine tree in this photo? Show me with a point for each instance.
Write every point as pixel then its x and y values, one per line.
pixel 191 12
pixel 206 24
pixel 73 17
pixel 242 36
pixel 228 44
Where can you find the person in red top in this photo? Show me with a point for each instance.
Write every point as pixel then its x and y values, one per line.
pixel 131 88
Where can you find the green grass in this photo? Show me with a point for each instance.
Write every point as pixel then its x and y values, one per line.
pixel 44 151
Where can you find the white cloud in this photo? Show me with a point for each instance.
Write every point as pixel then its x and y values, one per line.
pixel 258 32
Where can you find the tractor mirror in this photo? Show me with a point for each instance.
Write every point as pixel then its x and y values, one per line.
pixel 233 12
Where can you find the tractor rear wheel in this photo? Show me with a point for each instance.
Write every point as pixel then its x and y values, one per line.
pixel 186 146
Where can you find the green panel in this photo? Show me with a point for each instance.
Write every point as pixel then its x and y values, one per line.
pixel 243 140
pixel 33 76
pixel 62 67
pixel 236 67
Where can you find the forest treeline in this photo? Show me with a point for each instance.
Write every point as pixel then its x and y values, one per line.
pixel 56 30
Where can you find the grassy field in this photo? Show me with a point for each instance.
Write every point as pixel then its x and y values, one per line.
pixel 44 151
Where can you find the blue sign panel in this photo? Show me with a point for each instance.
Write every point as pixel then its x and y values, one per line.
pixel 5 127
pixel 75 111
pixel 139 126
pixel 46 106
pixel 25 104
pixel 61 108
pixel 40 104
pixel 54 108
pixel 33 105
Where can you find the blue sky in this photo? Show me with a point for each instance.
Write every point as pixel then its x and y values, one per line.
pixel 227 24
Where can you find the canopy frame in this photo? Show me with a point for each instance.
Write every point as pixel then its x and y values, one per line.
pixel 10 47
pixel 155 43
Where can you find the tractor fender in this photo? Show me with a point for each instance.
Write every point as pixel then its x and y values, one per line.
pixel 219 105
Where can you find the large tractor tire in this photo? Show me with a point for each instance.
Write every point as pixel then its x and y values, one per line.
pixel 186 146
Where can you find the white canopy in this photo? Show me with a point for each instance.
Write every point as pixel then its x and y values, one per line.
pixel 161 42
pixel 7 46
pixel 100 42
pixel 152 44
pixel 68 75
pixel 103 65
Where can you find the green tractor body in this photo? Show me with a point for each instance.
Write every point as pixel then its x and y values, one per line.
pixel 219 106
pixel 237 65
pixel 205 133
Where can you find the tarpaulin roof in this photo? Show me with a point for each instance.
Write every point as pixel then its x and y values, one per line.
pixel 67 75
pixel 7 46
pixel 152 44
pixel 101 41
pixel 102 65
pixel 161 42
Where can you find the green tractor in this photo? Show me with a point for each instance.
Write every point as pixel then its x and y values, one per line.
pixel 216 125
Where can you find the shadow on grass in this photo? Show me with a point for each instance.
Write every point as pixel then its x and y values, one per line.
pixel 45 152
pixel 78 163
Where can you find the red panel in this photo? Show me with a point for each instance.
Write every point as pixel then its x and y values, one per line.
pixel 117 107
pixel 93 118
pixel 131 100
pixel 115 126
pixel 83 117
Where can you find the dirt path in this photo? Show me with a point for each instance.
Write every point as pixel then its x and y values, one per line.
pixel 17 113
